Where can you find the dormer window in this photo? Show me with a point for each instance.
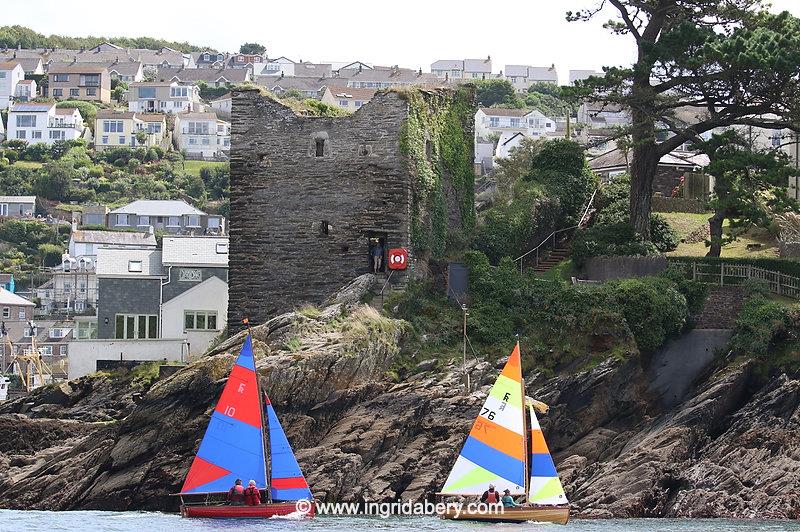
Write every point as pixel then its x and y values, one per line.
pixel 206 57
pixel 135 266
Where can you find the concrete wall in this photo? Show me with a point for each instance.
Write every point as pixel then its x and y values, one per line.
pixel 124 296
pixel 84 354
pixel 211 295
pixel 608 268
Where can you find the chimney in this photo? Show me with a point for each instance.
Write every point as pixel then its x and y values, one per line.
pixel 488 58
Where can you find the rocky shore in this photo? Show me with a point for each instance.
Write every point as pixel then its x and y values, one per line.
pixel 730 448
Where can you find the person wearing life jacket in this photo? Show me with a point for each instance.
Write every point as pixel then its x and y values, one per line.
pixel 252 496
pixel 490 496
pixel 236 493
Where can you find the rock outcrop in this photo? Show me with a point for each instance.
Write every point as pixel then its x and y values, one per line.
pixel 731 448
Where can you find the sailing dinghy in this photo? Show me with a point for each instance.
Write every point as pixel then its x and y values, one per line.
pixel 502 450
pixel 233 448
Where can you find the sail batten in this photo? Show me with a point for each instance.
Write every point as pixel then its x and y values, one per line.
pixel 494 452
pixel 233 445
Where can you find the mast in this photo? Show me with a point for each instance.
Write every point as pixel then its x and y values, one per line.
pixel 525 433
pixel 264 429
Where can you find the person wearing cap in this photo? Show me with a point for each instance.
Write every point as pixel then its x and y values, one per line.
pixel 508 500
pixel 490 496
pixel 252 496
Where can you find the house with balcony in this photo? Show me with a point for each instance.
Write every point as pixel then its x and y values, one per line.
pixel 522 77
pixel 43 122
pixel 170 216
pixel 203 135
pixel 114 129
pixel 163 97
pixel 79 81
pixel 17 207
pixel 11 73
pixel 500 122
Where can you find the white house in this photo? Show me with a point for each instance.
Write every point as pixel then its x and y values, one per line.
pixel 494 121
pixel 202 135
pixel 507 142
pixel 11 73
pixel 43 123
pixel 223 104
pixel 26 90
pixel 348 98
pixel 275 67
pixel 163 97
pixel 455 70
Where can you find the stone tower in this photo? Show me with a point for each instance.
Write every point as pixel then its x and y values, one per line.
pixel 310 195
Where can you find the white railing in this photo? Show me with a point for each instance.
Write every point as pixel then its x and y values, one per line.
pixel 722 274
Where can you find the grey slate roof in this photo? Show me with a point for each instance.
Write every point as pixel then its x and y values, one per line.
pixel 116 262
pixel 196 251
pixel 158 208
pixel 128 238
pixel 532 72
pixel 478 65
pixel 209 75
pixel 285 83
pixel 447 64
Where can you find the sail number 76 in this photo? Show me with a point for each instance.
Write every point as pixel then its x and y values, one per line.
pixel 488 413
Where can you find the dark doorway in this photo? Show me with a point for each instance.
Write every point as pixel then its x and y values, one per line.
pixel 376 248
pixel 320 147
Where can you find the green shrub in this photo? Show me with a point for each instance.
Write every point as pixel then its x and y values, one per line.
pixel 761 324
pixel 608 240
pixel 695 292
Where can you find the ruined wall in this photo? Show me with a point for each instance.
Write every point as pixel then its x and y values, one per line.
pixel 301 221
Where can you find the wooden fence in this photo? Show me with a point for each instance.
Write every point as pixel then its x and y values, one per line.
pixel 733 274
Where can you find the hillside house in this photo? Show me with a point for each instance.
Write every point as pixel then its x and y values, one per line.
pixel 222 77
pixel 456 70
pixel 522 77
pixel 163 97
pixel 170 216
pixel 114 129
pixel 36 122
pixel 17 207
pixel 11 74
pixel 347 98
pixel 79 81
pixel 14 307
pixel 203 135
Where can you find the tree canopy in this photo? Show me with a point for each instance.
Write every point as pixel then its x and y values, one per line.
pixel 23 37
pixel 252 48
pixel 701 65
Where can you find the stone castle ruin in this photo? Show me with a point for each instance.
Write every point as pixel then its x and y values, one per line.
pixel 312 195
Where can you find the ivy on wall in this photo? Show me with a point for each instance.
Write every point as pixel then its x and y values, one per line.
pixel 436 141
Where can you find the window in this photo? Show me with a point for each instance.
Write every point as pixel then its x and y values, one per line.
pixel 38 134
pixel 214 223
pixel 222 248
pixel 154 128
pixel 198 128
pixel 515 122
pixel 358 103
pixel 147 93
pixel 173 221
pixel 206 141
pixel 219 57
pixel 179 92
pixel 122 139
pixel 3 209
pixel 90 80
pixel 136 326
pixel 91 91
pixel 55 135
pixel 134 266
pixel 144 220
pixel 343 103
pixel 46 350
pixel 21 134
pixel 6 312
pixel 325 228
pixel 122 219
pixel 87 330
pixel 112 126
pixel 60 77
pixel 58 333
pixel 58 93
pixel 494 121
pixel 62 350
pixel 200 320
pixel 21 313
pixel 320 147
pixel 26 120
pixel 192 220
pixel 192 141
pixel 74 92
pixel 105 140
pixel 2 75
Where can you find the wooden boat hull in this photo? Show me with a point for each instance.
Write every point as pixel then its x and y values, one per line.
pixel 224 511
pixel 556 514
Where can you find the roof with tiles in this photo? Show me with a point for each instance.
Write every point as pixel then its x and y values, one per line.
pixel 196 251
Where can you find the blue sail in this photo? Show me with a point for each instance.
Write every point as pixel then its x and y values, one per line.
pixel 233 445
pixel 287 482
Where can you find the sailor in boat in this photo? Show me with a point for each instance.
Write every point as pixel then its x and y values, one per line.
pixel 252 497
pixel 508 500
pixel 490 496
pixel 236 493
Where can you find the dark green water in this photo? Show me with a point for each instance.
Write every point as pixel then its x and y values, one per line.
pixel 34 521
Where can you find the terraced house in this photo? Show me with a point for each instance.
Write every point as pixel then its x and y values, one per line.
pixel 170 216
pixel 163 97
pixel 114 129
pixel 79 81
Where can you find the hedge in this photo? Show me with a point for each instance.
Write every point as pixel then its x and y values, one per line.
pixel 789 267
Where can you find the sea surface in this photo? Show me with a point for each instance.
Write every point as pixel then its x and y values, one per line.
pixel 35 521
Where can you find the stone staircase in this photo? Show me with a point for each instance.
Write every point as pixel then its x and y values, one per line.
pixel 721 308
pixel 554 257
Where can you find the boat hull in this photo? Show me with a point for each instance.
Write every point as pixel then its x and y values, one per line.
pixel 556 514
pixel 261 511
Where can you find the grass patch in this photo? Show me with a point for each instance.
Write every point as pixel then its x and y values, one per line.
pixel 194 167
pixel 763 242
pixel 309 311
pixel 32 165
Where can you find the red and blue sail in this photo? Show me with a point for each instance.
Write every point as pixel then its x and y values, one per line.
pixel 287 481
pixel 233 445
